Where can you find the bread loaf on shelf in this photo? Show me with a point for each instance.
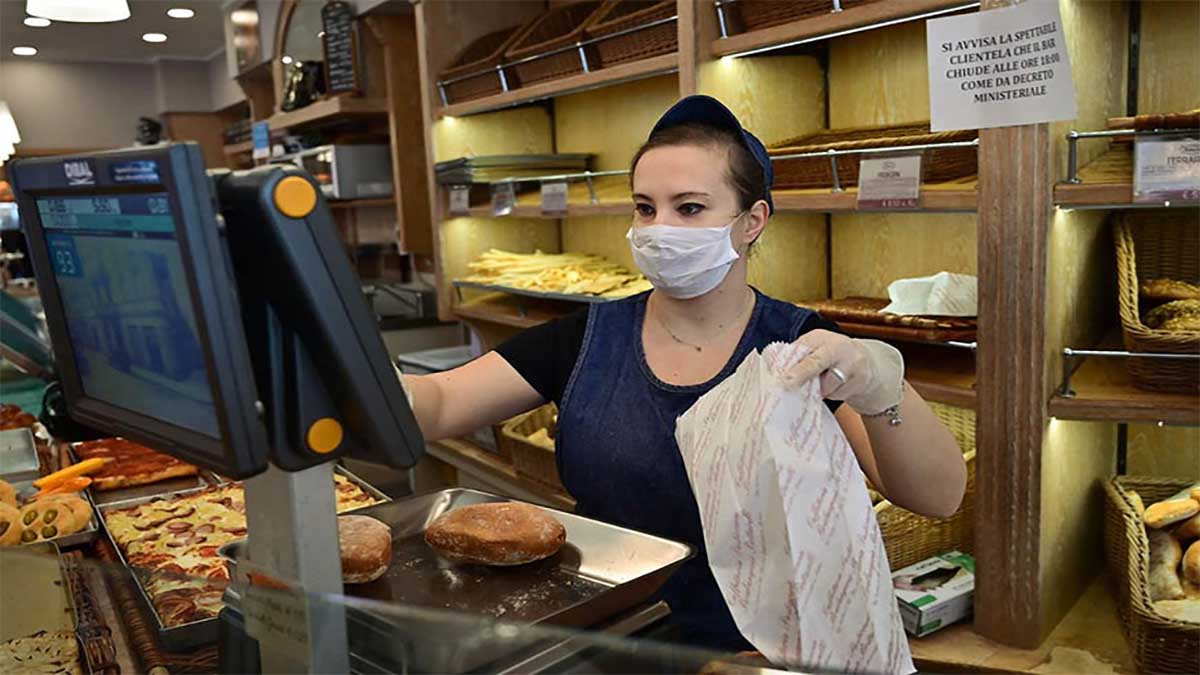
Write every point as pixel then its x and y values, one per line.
pixel 1165 555
pixel 1170 512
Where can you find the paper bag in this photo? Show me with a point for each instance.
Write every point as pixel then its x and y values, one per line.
pixel 791 536
pixel 943 294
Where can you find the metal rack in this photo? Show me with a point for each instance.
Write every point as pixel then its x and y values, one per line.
pixel 1073 137
pixel 541 295
pixel 1069 356
pixel 578 47
pixel 565 178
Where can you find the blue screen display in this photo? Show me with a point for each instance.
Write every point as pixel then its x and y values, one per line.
pixel 125 296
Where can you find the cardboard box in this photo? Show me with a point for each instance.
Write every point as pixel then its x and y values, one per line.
pixel 936 592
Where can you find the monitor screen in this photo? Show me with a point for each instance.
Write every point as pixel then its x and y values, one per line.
pixel 129 318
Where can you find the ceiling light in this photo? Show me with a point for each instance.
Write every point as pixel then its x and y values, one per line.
pixel 154 37
pixel 24 51
pixel 79 11
pixel 286 60
pixel 180 13
pixel 36 22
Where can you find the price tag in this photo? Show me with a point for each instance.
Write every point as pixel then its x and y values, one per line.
pixel 503 198
pixel 554 197
pixel 260 135
pixel 460 200
pixel 1167 169
pixel 272 610
pixel 891 183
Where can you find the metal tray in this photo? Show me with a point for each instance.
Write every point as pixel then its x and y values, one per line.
pixel 205 631
pixel 52 605
pixel 87 535
pixel 18 455
pixel 100 497
pixel 602 571
pixel 569 297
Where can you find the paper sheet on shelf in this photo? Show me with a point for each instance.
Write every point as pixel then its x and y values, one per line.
pixel 791 535
pixel 943 294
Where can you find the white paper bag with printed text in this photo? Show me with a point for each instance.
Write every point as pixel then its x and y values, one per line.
pixel 791 536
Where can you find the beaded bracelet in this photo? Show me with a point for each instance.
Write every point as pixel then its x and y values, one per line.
pixel 893 413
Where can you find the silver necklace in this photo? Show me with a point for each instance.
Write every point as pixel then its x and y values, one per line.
pixel 720 332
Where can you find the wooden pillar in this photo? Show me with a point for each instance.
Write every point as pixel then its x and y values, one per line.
pixel 1016 174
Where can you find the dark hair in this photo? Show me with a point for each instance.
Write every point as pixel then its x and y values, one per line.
pixel 744 174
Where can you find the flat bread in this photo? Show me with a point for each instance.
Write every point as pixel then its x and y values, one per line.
pixel 498 534
pixel 42 652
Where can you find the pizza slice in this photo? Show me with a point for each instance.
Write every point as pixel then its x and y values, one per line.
pixel 132 464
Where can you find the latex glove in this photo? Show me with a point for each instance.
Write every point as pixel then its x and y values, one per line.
pixel 404 385
pixel 874 370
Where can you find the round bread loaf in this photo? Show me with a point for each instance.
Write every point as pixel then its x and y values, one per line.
pixel 500 534
pixel 10 525
pixel 365 545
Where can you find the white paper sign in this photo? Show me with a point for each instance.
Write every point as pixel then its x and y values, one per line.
pixel 503 198
pixel 999 68
pixel 791 537
pixel 889 183
pixel 460 200
pixel 1167 169
pixel 554 197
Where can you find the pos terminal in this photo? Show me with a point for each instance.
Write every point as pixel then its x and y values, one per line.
pixel 215 316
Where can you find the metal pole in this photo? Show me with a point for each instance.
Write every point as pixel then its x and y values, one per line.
pixel 583 57
pixel 503 79
pixel 1073 157
pixel 721 18
pixel 837 182
pixel 1064 389
pixel 442 93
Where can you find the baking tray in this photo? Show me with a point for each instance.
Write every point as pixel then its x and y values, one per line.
pixel 18 455
pixel 85 536
pixel 533 294
pixel 602 571
pixel 100 497
pixel 197 633
pixel 52 607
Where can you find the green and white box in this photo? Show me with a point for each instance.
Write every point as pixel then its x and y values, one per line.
pixel 936 592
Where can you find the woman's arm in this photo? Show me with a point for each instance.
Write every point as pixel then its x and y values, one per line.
pixel 482 392
pixel 917 464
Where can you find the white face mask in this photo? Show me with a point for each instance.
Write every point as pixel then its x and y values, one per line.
pixel 683 262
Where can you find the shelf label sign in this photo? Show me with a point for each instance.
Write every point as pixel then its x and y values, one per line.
pixel 554 197
pixel 889 183
pixel 999 68
pixel 1166 169
pixel 503 198
pixel 260 135
pixel 460 200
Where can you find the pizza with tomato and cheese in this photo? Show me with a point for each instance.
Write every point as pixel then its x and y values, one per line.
pixel 173 542
pixel 132 464
pixel 12 417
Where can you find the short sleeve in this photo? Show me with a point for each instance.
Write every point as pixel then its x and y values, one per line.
pixel 545 355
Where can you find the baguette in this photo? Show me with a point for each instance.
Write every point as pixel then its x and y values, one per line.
pixel 1165 554
pixel 1189 529
pixel 1169 512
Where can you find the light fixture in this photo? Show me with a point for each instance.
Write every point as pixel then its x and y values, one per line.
pixel 154 37
pixel 79 11
pixel 36 22
pixel 24 51
pixel 286 59
pixel 180 13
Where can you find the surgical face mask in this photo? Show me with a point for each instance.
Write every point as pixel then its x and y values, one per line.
pixel 683 262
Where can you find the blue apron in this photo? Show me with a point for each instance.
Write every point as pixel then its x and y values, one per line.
pixel 617 455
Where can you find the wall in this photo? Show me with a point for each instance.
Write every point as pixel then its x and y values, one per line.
pixel 78 105
pixel 223 89
pixel 182 86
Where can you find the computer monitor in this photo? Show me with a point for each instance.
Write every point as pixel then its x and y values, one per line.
pixel 141 302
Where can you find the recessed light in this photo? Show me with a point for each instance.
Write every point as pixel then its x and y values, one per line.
pixel 36 22
pixel 286 60
pixel 180 13
pixel 24 51
pixel 154 37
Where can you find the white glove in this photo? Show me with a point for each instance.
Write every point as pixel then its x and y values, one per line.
pixel 404 385
pixel 866 374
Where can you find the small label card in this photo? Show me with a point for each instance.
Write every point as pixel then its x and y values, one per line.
pixel 889 183
pixel 1167 169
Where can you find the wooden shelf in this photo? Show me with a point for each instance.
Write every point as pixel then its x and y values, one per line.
pixel 1087 640
pixel 613 198
pixel 239 148
pixel 468 457
pixel 815 27
pixel 1106 180
pixel 957 195
pixel 359 203
pixel 1104 392
pixel 625 72
pixel 329 110
pixel 940 374
pixel 512 310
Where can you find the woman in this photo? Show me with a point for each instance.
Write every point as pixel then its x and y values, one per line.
pixel 622 372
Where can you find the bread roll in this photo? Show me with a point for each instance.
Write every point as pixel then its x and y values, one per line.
pixel 501 534
pixel 8 494
pixel 78 506
pixel 1191 564
pixel 10 525
pixel 1169 289
pixel 1170 512
pixel 1165 554
pixel 47 520
pixel 365 545
pixel 1188 529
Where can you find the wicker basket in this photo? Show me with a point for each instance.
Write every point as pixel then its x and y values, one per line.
pixel 1157 246
pixel 938 165
pixel 1159 644
pixel 910 538
pixel 628 14
pixel 747 15
pixel 532 460
pixel 561 26
pixel 482 54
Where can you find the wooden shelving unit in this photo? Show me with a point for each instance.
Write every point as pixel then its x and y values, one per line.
pixel 955 196
pixel 239 148
pixel 817 27
pixel 330 110
pixel 510 310
pixel 1106 180
pixel 625 72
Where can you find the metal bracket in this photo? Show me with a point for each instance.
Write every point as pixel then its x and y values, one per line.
pixel 721 18
pixel 1069 356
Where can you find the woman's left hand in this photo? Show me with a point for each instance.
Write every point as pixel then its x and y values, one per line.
pixel 866 374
